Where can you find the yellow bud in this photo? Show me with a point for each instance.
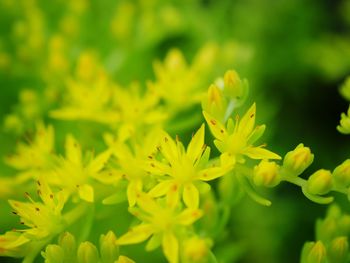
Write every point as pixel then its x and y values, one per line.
pixel 87 253
pixel 326 229
pixel 314 252
pixel 344 126
pixel 196 249
pixel 298 160
pixel 68 244
pixel 320 182
pixel 233 84
pixel 54 254
pixel 214 102
pixel 338 250
pixel 317 253
pixel 108 248
pixel 266 174
pixel 341 174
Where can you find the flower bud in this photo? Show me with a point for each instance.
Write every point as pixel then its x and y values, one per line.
pixel 108 248
pixel 341 174
pixel 326 229
pixel 266 174
pixel 344 126
pixel 314 253
pixel 68 244
pixel 54 254
pixel 233 84
pixel 87 253
pixel 338 250
pixel 196 249
pixel 214 102
pixel 320 182
pixel 298 160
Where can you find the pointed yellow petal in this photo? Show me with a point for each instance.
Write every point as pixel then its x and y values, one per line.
pixel 99 162
pixel 213 173
pixel 161 189
pixel 260 153
pixel 169 148
pixel 216 128
pixel 133 190
pixel 247 123
pixel 73 151
pixel 170 247
pixel 195 147
pixel 173 196
pixel 148 204
pixel 136 235
pixel 189 216
pixel 123 259
pixel 156 167
pixel 86 192
pixel 191 196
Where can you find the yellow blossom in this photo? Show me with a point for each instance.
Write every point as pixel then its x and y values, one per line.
pixel 74 174
pixel 161 222
pixel 236 140
pixel 130 157
pixel 35 157
pixel 185 170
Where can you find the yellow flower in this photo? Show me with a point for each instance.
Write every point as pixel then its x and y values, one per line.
pixel 73 174
pixel 175 79
pixel 14 244
pixel 184 169
pixel 237 139
pixel 43 218
pixel 130 157
pixel 35 157
pixel 162 223
pixel 137 109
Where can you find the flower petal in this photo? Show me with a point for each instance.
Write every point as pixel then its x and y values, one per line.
pixel 170 247
pixel 195 147
pixel 216 128
pixel 173 196
pixel 136 235
pixel 99 162
pixel 134 188
pixel 86 192
pixel 73 150
pixel 246 124
pixel 188 216
pixel 260 153
pixel 191 196
pixel 213 173
pixel 161 189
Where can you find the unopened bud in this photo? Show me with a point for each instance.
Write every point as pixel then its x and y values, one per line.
pixel 266 174
pixel 87 253
pixel 196 249
pixel 341 174
pixel 338 250
pixel 68 244
pixel 214 102
pixel 320 182
pixel 54 254
pixel 298 160
pixel 233 84
pixel 108 248
pixel 314 253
